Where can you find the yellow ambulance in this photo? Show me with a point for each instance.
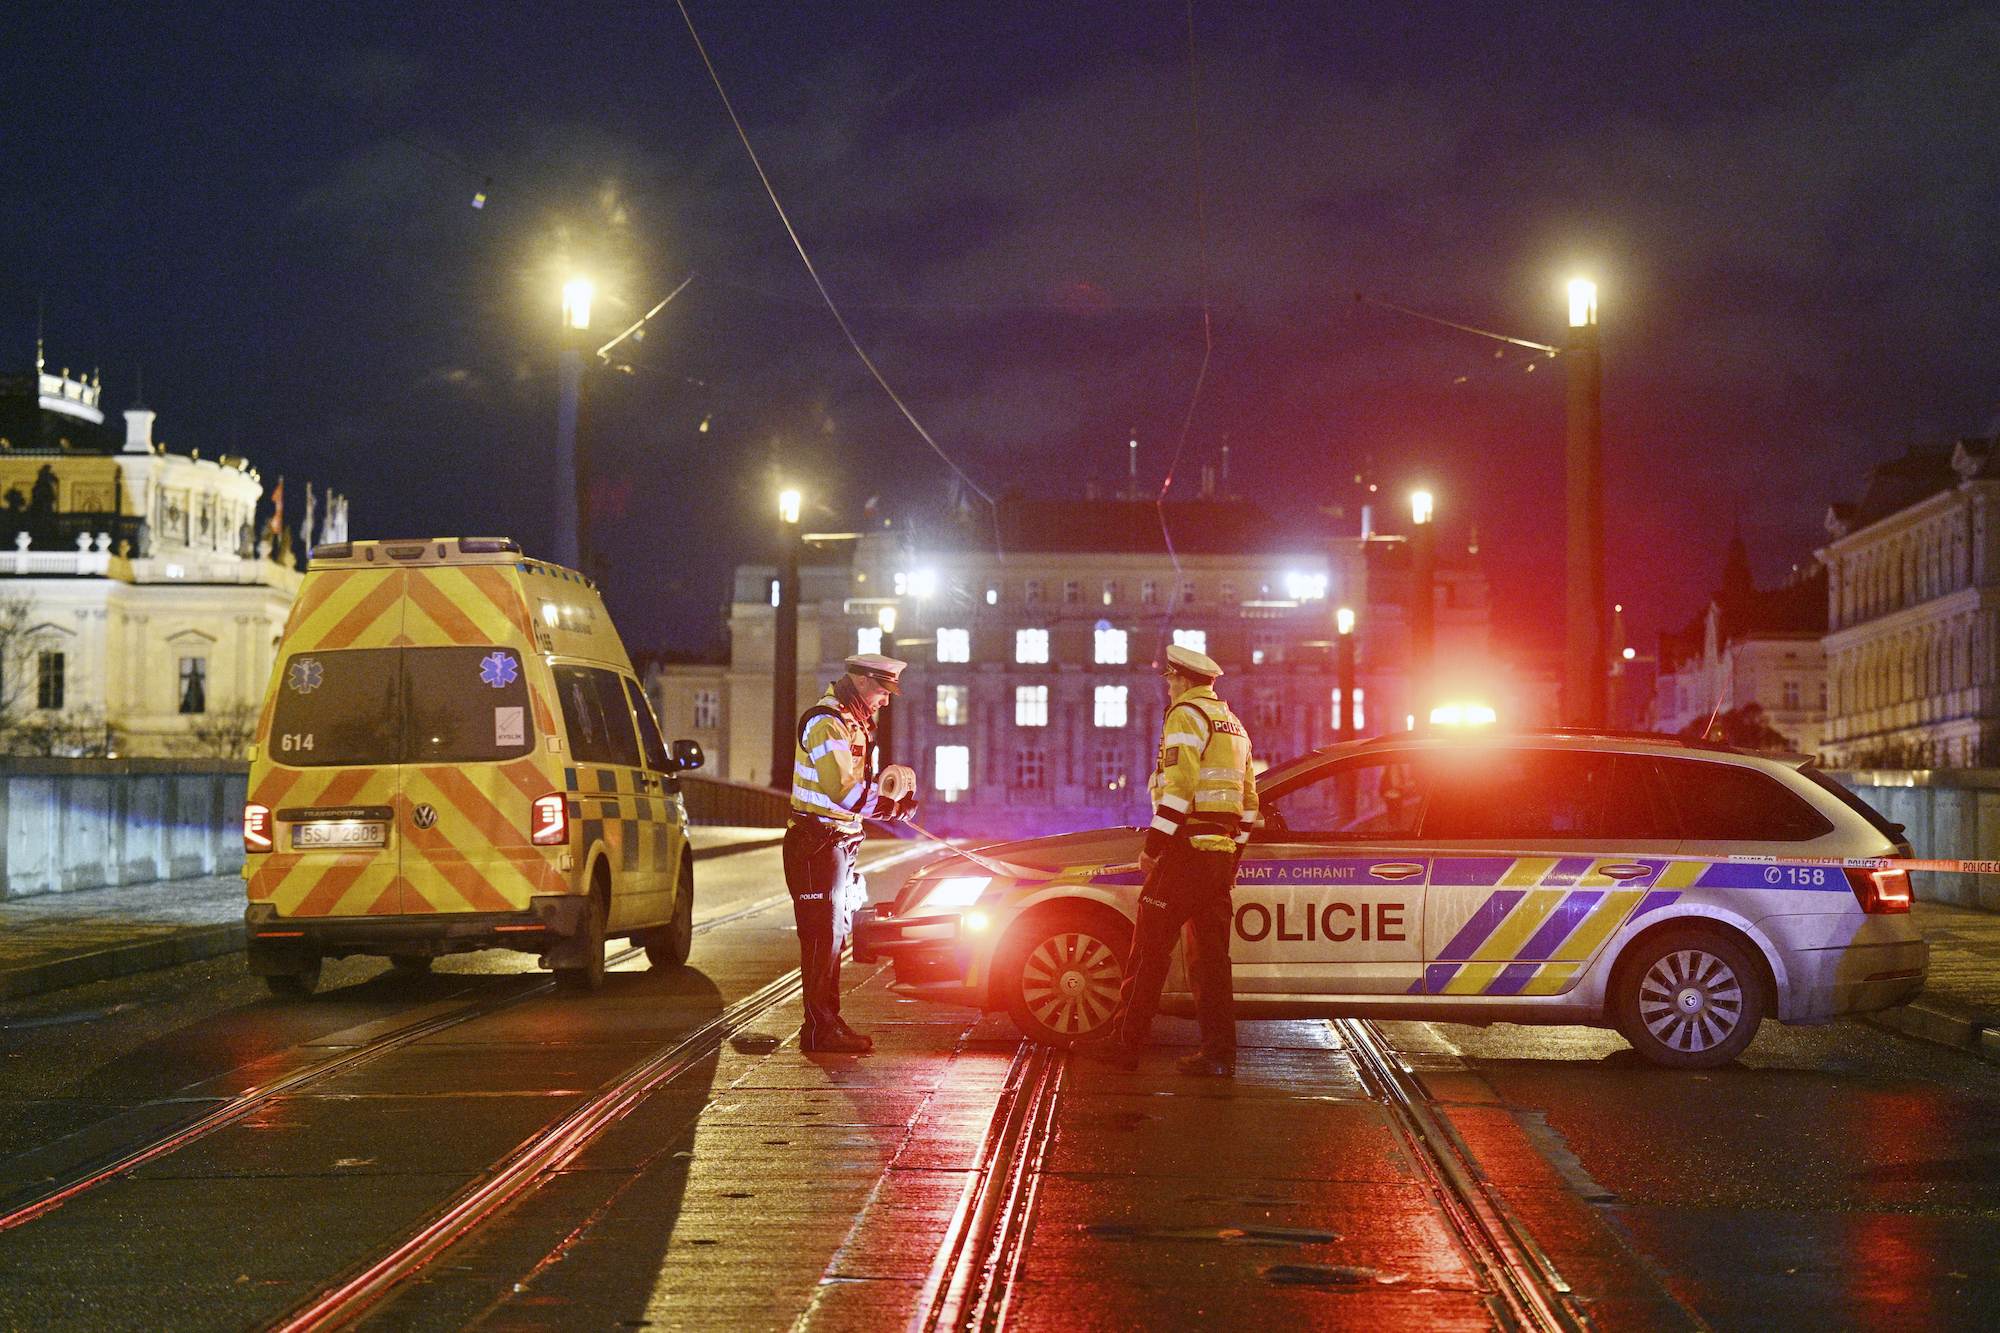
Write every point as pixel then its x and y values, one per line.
pixel 454 755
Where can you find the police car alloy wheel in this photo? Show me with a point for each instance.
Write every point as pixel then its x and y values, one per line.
pixel 1689 999
pixel 1062 974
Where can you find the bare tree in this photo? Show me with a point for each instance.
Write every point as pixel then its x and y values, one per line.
pixel 224 733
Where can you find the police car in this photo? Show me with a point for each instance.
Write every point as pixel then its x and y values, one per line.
pixel 1552 878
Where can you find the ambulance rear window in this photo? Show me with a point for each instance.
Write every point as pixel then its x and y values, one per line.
pixel 361 706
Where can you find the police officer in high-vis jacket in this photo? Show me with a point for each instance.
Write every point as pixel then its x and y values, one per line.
pixel 833 788
pixel 1204 805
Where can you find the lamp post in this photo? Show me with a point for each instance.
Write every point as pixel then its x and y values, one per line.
pixel 785 643
pixel 1343 620
pixel 576 296
pixel 1584 640
pixel 885 720
pixel 1423 621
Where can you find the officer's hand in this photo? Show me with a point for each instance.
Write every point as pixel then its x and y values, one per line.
pixel 906 808
pixel 1147 862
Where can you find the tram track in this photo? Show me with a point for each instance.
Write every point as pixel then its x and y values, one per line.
pixel 1517 1280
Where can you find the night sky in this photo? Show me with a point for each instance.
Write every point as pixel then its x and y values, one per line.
pixel 1792 220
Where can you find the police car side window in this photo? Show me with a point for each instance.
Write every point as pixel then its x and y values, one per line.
pixel 1488 794
pixel 1731 803
pixel 649 730
pixel 1376 797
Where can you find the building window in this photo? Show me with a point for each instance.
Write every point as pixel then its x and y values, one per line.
pixel 1031 768
pixel 1109 647
pixel 1110 705
pixel 1187 592
pixel 1269 648
pixel 194 684
pixel 1228 593
pixel 952 705
pixel 954 645
pixel 49 681
pixel 1072 591
pixel 1031 645
pixel 1822 696
pixel 1256 657
pixel 1034 591
pixel 1265 708
pixel 868 639
pixel 1791 694
pixel 1196 639
pixel 1149 592
pixel 707 709
pixel 951 770
pixel 1358 700
pixel 1113 774
pixel 1110 592
pixel 1031 705
pixel 993 594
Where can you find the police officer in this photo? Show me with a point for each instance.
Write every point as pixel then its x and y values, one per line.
pixel 833 788
pixel 1204 805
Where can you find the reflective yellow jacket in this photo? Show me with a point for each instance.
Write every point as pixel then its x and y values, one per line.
pixel 830 778
pixel 1202 787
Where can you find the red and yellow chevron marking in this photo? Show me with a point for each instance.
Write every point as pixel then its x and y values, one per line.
pixel 477 857
pixel 348 608
pixel 359 882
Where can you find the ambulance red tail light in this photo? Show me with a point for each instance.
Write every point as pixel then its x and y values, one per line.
pixel 1881 891
pixel 551 820
pixel 256 828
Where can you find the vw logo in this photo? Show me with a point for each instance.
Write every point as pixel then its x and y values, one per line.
pixel 424 816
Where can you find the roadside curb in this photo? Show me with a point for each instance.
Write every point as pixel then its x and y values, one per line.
pixel 1940 1026
pixel 121 960
pixel 732 848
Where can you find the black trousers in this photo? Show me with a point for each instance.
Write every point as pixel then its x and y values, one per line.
pixel 819 860
pixel 1188 890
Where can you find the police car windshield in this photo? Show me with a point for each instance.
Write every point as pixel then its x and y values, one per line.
pixel 362 706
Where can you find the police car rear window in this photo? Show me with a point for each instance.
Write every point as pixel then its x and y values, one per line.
pixel 1731 803
pixel 359 706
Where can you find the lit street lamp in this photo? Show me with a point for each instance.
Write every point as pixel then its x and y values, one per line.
pixel 570 471
pixel 785 643
pixel 1423 611
pixel 1584 655
pixel 1344 621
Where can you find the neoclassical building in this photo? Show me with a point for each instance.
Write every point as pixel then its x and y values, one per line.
pixel 1913 593
pixel 139 606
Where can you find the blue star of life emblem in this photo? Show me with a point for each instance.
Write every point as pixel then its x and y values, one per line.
pixel 305 676
pixel 498 670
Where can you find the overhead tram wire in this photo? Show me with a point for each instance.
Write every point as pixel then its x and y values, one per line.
pixel 1207 325
pixel 812 271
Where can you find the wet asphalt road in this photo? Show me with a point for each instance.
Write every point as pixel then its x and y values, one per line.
pixel 1838 1178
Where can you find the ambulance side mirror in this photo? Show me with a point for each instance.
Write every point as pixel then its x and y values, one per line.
pixel 688 755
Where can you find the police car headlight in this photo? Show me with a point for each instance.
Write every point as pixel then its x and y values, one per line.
pixel 957 891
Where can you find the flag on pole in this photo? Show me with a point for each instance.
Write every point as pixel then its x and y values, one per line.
pixel 276 527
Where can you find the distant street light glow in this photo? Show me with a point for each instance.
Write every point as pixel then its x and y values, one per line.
pixel 1631 653
pixel 788 506
pixel 576 302
pixel 1582 303
pixel 1344 619
pixel 1305 587
pixel 923 583
pixel 1420 506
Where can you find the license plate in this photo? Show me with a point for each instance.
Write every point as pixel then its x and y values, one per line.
pixel 356 834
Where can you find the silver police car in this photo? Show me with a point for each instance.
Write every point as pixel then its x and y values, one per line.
pixel 1553 878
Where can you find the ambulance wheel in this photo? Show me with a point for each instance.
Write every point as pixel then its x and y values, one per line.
pixel 1688 998
pixel 1060 972
pixel 668 946
pixel 585 979
pixel 295 984
pixel 410 962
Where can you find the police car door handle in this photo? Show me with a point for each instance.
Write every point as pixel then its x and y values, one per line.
pixel 1625 871
pixel 1396 870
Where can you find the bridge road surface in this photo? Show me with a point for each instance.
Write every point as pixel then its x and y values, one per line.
pixel 1838 1178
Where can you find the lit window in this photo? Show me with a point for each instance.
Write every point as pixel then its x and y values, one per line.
pixel 1196 639
pixel 1110 703
pixel 1256 657
pixel 1110 592
pixel 992 595
pixel 952 704
pixel 1031 705
pixel 774 592
pixel 1113 772
pixel 707 709
pixel 954 645
pixel 1031 645
pixel 951 770
pixel 1110 647
pixel 868 639
pixel 194 684
pixel 1031 768
pixel 1358 693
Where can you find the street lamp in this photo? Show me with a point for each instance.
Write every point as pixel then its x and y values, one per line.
pixel 785 643
pixel 1343 620
pixel 1423 623
pixel 1584 640
pixel 570 470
